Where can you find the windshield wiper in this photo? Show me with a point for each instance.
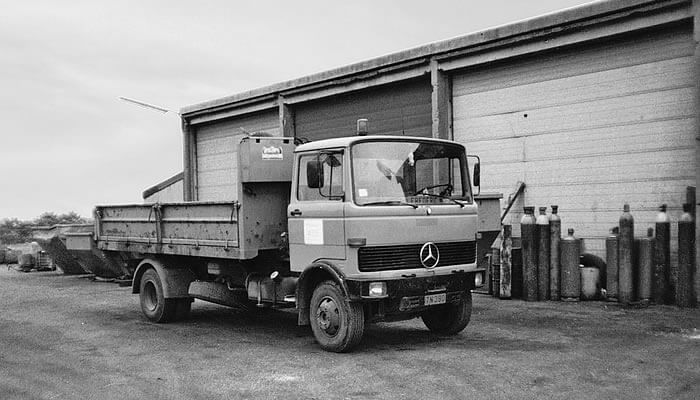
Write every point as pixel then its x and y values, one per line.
pixel 390 203
pixel 439 196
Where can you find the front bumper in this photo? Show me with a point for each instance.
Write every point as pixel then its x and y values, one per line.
pixel 407 296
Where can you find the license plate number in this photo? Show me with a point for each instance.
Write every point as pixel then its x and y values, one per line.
pixel 433 299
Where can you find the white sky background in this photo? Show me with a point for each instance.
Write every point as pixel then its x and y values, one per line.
pixel 67 142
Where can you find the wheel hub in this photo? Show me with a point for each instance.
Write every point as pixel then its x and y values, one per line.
pixel 328 317
pixel 150 296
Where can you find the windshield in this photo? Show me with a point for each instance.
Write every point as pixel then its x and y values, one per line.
pixel 409 172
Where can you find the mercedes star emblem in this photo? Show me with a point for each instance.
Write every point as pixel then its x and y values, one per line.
pixel 429 255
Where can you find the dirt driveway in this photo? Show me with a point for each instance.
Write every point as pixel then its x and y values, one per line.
pixel 68 337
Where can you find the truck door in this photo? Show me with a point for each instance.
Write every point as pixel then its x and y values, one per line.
pixel 316 213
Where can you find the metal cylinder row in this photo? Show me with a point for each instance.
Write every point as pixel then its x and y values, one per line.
pixel 641 270
pixel 541 264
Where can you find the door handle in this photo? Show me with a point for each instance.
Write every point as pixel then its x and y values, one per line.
pixel 296 213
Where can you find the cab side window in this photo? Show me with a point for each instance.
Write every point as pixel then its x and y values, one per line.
pixel 320 177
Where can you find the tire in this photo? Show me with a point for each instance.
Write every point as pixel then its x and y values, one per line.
pixel 451 319
pixel 337 325
pixel 153 304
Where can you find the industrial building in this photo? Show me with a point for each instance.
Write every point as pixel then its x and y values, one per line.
pixel 591 107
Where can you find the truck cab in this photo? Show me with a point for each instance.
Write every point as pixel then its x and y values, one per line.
pixel 386 228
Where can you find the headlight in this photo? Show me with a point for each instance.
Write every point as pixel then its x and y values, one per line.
pixel 479 279
pixel 377 289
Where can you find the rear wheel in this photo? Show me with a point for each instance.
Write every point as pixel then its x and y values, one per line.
pixel 450 319
pixel 337 325
pixel 154 304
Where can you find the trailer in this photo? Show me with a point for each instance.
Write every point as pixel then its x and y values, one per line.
pixel 348 231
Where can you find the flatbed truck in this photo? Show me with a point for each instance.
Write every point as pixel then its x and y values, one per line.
pixel 348 231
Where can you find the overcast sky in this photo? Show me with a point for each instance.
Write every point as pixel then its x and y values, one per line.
pixel 68 143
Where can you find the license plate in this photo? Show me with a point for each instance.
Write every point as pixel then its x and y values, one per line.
pixel 433 299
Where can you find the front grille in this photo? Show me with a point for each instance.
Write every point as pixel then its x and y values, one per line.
pixel 383 258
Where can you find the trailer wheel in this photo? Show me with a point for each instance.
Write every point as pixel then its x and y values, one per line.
pixel 451 319
pixel 153 304
pixel 337 324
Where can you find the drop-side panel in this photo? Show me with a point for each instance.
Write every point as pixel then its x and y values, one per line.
pixel 195 229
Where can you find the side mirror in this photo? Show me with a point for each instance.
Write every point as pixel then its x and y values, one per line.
pixel 476 177
pixel 314 174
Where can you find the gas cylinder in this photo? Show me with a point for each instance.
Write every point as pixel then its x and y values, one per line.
pixel 529 248
pixel 554 238
pixel 662 258
pixel 625 284
pixel 646 266
pixel 686 258
pixel 506 262
pixel 543 236
pixel 570 275
pixel 611 262
pixel 516 273
pixel 496 271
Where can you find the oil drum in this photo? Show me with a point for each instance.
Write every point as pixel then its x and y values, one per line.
pixel 570 274
pixel 590 282
pixel 25 261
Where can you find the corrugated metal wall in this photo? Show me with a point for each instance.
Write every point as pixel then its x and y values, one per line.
pixel 403 109
pixel 588 128
pixel 217 153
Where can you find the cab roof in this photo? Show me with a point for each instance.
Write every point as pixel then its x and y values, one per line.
pixel 345 142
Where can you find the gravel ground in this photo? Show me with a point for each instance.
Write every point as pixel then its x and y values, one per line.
pixel 69 337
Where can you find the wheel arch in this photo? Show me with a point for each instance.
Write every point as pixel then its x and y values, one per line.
pixel 176 281
pixel 314 274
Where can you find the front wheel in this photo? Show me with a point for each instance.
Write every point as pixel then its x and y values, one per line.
pixel 451 319
pixel 337 324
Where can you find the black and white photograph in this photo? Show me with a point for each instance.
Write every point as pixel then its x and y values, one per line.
pixel 349 200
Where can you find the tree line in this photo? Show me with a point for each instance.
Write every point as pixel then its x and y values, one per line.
pixel 14 230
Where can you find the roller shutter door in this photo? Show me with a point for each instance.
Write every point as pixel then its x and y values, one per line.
pixel 589 128
pixel 403 109
pixel 217 153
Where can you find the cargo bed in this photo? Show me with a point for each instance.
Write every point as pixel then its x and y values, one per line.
pixel 202 229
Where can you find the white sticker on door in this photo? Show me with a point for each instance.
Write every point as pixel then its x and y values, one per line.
pixel 313 231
